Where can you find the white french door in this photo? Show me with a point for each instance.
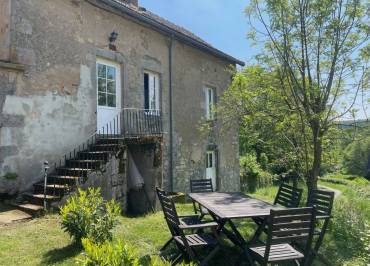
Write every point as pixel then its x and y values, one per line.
pixel 108 80
pixel 211 168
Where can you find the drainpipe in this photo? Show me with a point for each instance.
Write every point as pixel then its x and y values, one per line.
pixel 170 112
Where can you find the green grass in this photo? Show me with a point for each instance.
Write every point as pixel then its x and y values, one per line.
pixel 42 242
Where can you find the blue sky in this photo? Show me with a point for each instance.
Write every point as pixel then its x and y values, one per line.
pixel 222 23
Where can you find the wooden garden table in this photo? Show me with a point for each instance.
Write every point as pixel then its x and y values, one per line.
pixel 227 206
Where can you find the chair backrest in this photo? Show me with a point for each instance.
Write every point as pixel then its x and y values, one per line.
pixel 160 192
pixel 322 201
pixel 290 225
pixel 201 185
pixel 169 211
pixel 288 196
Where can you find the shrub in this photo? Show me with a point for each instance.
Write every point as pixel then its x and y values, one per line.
pixel 87 215
pixel 107 254
pixel 252 175
pixel 116 254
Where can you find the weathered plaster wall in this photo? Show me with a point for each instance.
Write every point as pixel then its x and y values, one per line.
pixel 193 70
pixel 50 108
pixel 5 15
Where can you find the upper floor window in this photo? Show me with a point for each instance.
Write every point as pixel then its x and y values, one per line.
pixel 151 91
pixel 210 102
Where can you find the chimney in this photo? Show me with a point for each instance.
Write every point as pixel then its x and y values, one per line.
pixel 132 2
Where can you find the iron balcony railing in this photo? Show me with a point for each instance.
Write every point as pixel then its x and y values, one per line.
pixel 134 123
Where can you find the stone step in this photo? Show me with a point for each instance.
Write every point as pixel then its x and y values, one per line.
pixel 110 140
pixel 42 196
pixel 94 155
pixel 52 189
pixel 29 208
pixel 63 179
pixel 38 199
pixel 104 147
pixel 73 171
pixel 94 164
pixel 22 212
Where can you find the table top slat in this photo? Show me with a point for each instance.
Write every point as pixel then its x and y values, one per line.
pixel 229 205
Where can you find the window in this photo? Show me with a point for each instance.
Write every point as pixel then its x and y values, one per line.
pixel 210 97
pixel 106 81
pixel 151 91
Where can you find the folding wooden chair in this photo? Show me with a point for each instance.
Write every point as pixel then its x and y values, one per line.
pixel 322 201
pixel 284 228
pixel 288 197
pixel 200 186
pixel 187 243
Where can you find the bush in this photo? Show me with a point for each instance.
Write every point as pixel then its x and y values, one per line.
pixel 107 254
pixel 87 215
pixel 252 175
pixel 116 254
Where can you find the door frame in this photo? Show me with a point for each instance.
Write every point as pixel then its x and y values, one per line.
pixel 119 88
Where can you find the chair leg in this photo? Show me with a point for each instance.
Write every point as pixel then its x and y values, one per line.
pixel 210 256
pixel 166 244
pixel 177 259
pixel 318 243
pixel 258 232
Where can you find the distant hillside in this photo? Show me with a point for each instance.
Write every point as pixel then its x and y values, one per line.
pixel 353 123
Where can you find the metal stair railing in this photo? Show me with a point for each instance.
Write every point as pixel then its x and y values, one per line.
pixel 128 123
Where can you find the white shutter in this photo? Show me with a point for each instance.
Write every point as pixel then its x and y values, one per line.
pixel 151 91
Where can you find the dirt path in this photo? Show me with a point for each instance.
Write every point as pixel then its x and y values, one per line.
pixel 337 192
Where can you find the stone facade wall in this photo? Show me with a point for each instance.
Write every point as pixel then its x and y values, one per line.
pixel 49 108
pixel 112 180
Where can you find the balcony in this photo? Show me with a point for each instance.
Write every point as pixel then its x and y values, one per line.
pixel 134 123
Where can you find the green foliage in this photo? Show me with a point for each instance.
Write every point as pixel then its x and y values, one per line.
pixel 87 215
pixel 10 176
pixel 268 127
pixel 356 157
pixel 318 51
pixel 117 254
pixel 365 240
pixel 108 254
pixel 351 213
pixel 252 175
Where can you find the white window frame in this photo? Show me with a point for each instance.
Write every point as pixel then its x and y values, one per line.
pixel 100 61
pixel 154 91
pixel 210 102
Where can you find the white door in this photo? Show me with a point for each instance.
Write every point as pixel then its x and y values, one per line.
pixel 108 80
pixel 211 168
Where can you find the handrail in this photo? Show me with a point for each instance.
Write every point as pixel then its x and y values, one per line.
pixel 128 123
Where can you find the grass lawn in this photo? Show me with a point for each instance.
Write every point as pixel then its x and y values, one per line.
pixel 42 242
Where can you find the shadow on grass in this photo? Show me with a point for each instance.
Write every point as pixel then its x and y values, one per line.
pixel 60 254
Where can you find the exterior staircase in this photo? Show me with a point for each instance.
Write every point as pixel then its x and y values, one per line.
pixel 66 176
pixel 92 155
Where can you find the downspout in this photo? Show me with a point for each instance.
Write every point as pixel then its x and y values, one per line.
pixel 170 112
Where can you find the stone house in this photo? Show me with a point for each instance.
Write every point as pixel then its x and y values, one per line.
pixel 83 80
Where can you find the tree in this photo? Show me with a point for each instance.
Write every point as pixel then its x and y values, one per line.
pixel 268 128
pixel 320 50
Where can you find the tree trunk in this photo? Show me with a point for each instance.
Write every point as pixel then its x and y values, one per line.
pixel 317 152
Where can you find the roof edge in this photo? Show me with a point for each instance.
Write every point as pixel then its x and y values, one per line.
pixel 173 33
